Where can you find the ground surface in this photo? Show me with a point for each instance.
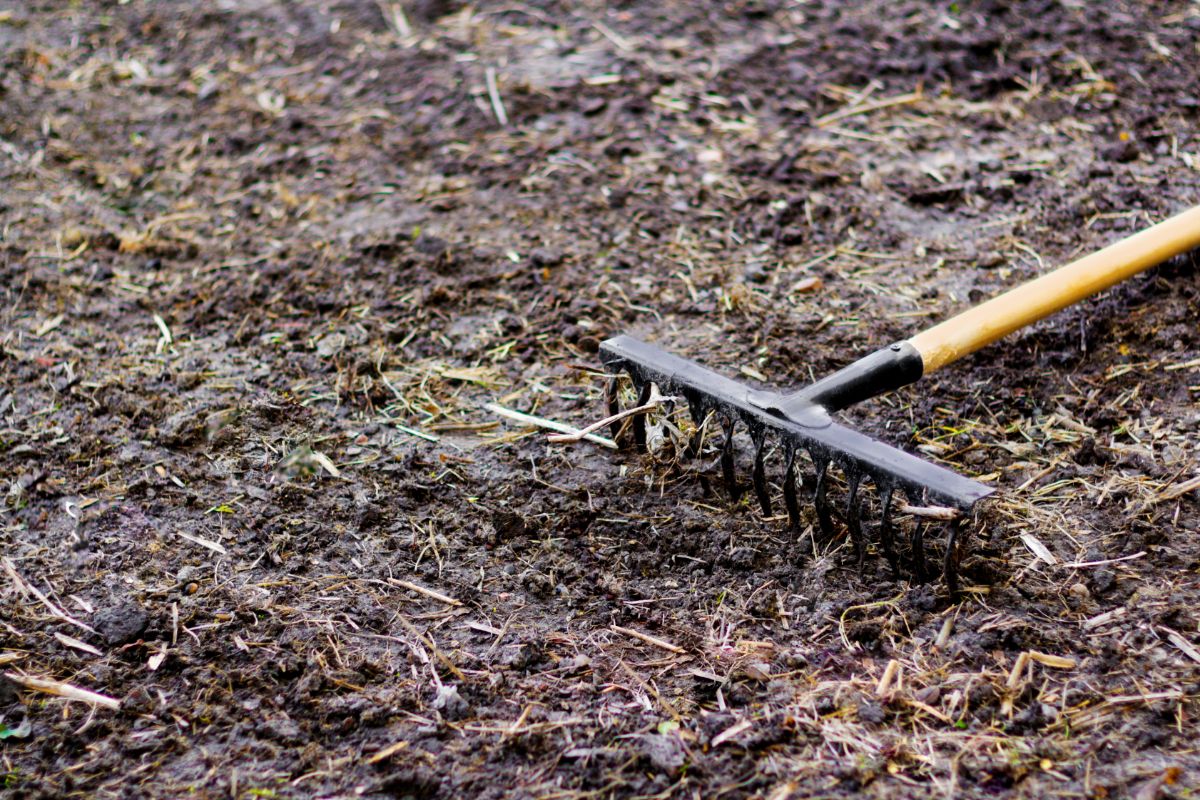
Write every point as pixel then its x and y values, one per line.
pixel 264 263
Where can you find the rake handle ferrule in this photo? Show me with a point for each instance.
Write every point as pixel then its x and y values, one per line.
pixel 880 372
pixel 1039 298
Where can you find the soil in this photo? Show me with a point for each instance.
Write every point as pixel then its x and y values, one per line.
pixel 266 262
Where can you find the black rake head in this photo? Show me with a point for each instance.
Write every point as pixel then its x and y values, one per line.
pixel 799 428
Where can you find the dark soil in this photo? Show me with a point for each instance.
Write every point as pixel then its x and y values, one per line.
pixel 264 262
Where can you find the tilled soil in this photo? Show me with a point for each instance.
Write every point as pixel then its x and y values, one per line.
pixel 270 267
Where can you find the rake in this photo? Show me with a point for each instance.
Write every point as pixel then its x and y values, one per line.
pixel 801 423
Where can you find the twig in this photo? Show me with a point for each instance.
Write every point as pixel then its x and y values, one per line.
pixel 1149 697
pixel 429 437
pixel 64 690
pixel 944 634
pixel 515 728
pixel 1082 564
pixel 926 708
pixel 393 14
pixel 25 586
pixel 494 95
pixel 166 339
pixel 866 108
pixel 387 752
pixel 1037 476
pixel 595 426
pixel 1186 647
pixel 730 732
pixel 1178 490
pixel 412 587
pixel 207 544
pixel 1014 680
pixel 1048 660
pixel 890 675
pixel 650 689
pixel 1104 619
pixel 889 603
pixel 1040 550
pixel 541 422
pixel 608 33
pixel 944 513
pixel 648 639
pixel 437 651
pixel 71 641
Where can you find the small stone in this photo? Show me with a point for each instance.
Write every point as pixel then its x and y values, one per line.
pixel 808 285
pixel 452 704
pixel 430 10
pixel 991 259
pixel 1103 580
pixel 870 713
pixel 8 692
pixel 593 105
pixel 755 274
pixel 122 623
pixel 282 729
pixel 664 752
pixel 1121 152
pixel 138 702
pixel 576 664
pixel 929 695
pixel 757 671
pixel 431 245
pixel 546 256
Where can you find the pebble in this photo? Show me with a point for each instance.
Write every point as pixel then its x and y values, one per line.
pixel 810 284
pixel 546 256
pixel 431 245
pixel 121 623
pixel 755 274
pixel 870 713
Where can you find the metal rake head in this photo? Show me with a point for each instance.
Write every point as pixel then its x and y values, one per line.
pixel 801 425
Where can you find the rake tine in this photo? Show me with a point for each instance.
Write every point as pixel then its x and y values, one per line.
pixel 789 492
pixel 612 400
pixel 885 530
pixel 950 565
pixel 918 553
pixel 821 502
pixel 760 480
pixel 854 521
pixel 696 440
pixel 727 472
pixel 639 420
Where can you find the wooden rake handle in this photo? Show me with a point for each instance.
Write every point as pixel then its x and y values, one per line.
pixel 1037 299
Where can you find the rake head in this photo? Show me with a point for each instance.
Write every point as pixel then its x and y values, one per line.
pixel 799 425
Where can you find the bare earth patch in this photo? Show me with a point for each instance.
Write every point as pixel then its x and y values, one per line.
pixel 268 269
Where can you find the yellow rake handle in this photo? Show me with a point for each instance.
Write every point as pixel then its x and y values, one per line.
pixel 1039 298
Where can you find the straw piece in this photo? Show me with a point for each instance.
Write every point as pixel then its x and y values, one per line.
pixel 648 639
pixel 64 690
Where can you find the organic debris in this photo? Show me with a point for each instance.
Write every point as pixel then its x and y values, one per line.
pixel 269 271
